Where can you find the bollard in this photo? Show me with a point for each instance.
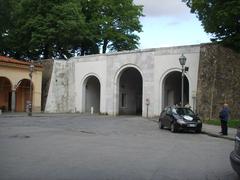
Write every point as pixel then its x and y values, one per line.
pixel 92 109
pixel 147 103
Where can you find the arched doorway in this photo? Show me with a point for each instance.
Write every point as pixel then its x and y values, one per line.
pixel 5 94
pixel 172 89
pixel 130 92
pixel 92 94
pixel 23 95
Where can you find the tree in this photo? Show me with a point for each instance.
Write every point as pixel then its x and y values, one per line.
pixel 113 23
pixel 6 8
pixel 55 28
pixel 221 18
pixel 48 27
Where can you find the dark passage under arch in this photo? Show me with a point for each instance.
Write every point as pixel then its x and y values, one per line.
pixel 5 94
pixel 172 89
pixel 92 96
pixel 130 92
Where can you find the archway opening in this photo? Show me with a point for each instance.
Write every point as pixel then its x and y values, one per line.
pixel 172 89
pixel 130 92
pixel 92 95
pixel 23 95
pixel 5 94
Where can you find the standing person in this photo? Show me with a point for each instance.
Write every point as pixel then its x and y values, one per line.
pixel 224 115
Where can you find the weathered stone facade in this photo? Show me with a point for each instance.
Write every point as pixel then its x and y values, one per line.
pixel 62 80
pixel 69 89
pixel 213 78
pixel 218 81
pixel 46 79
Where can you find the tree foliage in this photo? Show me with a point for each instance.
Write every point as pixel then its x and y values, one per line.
pixel 55 28
pixel 6 8
pixel 221 18
pixel 114 23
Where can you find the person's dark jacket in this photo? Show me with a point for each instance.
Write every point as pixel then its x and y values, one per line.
pixel 224 114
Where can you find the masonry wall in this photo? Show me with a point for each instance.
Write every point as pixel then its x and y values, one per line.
pixel 46 79
pixel 61 91
pixel 143 61
pixel 218 81
pixel 67 91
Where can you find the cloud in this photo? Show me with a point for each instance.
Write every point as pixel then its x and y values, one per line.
pixel 167 8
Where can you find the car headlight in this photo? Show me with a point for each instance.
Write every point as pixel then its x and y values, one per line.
pixel 181 121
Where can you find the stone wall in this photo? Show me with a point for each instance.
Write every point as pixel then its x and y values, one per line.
pixel 67 91
pixel 218 81
pixel 46 79
pixel 60 100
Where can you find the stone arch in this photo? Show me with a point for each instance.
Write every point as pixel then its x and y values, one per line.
pixel 23 95
pixel 170 87
pixel 128 98
pixel 5 93
pixel 91 93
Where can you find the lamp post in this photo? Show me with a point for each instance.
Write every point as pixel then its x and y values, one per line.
pixel 31 69
pixel 182 61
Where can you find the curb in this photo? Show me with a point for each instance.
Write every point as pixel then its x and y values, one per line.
pixel 218 136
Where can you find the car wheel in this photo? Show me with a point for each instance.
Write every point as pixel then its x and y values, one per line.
pixel 199 130
pixel 173 128
pixel 160 125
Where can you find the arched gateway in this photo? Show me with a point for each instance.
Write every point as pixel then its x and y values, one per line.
pixel 5 94
pixel 91 89
pixel 140 82
pixel 23 96
pixel 130 92
pixel 172 89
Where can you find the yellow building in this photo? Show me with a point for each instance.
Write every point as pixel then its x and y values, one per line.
pixel 15 85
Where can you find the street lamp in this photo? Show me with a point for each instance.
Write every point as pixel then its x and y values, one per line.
pixel 31 69
pixel 182 61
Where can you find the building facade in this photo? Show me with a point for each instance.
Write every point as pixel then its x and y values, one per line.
pixel 15 85
pixel 140 82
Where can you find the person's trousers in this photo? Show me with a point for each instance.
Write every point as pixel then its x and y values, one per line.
pixel 224 127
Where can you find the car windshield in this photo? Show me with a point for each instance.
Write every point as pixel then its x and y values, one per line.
pixel 183 111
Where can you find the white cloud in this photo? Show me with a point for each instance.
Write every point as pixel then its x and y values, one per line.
pixel 167 8
pixel 169 23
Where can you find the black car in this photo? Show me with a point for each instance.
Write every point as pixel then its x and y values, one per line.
pixel 179 118
pixel 235 154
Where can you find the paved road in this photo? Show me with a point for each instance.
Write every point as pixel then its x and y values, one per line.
pixel 107 148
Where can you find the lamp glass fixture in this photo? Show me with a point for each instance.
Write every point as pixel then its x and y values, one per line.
pixel 182 60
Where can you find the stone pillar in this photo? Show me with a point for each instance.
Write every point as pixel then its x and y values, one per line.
pixel 13 100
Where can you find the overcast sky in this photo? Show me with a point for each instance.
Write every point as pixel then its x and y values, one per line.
pixel 169 23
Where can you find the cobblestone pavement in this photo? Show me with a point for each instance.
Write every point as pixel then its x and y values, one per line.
pixel 67 146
